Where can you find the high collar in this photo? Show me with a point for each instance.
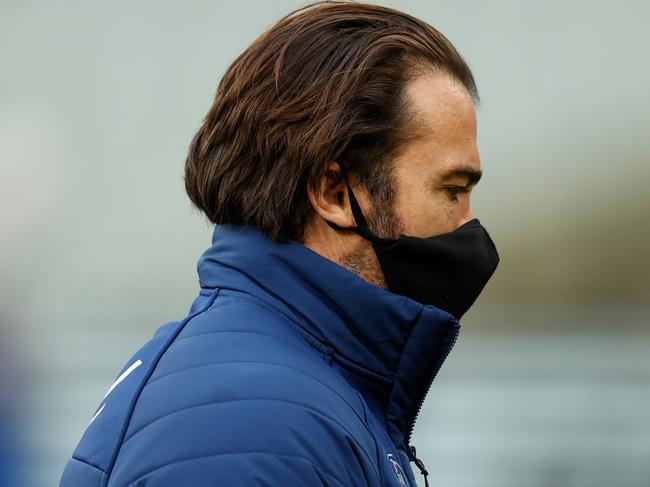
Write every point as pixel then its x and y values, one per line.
pixel 395 341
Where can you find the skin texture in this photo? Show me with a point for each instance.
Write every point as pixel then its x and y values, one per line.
pixel 427 202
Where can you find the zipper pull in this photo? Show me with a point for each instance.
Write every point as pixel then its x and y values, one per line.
pixel 412 456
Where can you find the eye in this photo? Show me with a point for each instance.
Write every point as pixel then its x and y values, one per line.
pixel 454 191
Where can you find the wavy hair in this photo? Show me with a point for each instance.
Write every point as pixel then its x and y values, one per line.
pixel 326 82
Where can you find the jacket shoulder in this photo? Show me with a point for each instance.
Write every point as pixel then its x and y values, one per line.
pixel 242 395
pixel 95 453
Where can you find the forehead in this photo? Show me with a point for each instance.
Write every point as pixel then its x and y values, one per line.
pixel 446 120
pixel 440 100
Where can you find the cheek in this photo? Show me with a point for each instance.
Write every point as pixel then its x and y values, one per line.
pixel 426 213
pixel 447 210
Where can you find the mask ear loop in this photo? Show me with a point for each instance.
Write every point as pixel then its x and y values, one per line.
pixel 356 209
pixel 362 226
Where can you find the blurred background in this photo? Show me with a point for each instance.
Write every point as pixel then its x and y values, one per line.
pixel 549 382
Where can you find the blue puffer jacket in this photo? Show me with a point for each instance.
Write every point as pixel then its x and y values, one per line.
pixel 289 370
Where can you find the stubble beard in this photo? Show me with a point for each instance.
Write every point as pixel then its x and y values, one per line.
pixel 383 221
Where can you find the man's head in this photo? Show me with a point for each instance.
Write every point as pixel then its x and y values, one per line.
pixel 426 191
pixel 340 83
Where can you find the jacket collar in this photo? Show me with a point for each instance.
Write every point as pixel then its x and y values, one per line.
pixel 395 341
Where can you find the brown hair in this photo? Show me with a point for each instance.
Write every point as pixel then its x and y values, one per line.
pixel 325 83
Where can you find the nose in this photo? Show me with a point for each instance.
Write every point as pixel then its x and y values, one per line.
pixel 467 217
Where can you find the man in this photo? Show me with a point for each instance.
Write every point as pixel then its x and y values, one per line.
pixel 337 163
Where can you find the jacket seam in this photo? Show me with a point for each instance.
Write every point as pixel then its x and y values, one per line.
pixel 253 452
pixel 134 400
pixel 244 296
pixel 186 337
pixel 211 403
pixel 85 462
pixel 364 422
pixel 269 363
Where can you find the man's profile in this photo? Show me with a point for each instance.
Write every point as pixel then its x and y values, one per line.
pixel 336 163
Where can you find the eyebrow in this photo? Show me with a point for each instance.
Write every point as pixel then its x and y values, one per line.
pixel 473 175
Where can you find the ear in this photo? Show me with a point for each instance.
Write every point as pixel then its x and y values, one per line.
pixel 331 201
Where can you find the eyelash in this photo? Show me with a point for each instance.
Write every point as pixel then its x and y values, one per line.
pixel 454 191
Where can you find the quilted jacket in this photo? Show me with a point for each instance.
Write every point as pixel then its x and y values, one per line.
pixel 289 370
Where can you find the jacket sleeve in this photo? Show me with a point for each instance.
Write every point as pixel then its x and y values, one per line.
pixel 249 443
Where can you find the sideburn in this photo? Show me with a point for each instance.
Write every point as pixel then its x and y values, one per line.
pixel 383 221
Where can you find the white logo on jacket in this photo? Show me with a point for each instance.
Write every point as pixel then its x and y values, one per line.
pixel 397 468
pixel 122 376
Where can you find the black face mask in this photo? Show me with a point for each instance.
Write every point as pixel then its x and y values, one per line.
pixel 447 271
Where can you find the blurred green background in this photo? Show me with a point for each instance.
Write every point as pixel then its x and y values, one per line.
pixel 549 382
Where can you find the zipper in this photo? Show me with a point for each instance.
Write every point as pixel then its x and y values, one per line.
pixel 413 457
pixel 448 346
